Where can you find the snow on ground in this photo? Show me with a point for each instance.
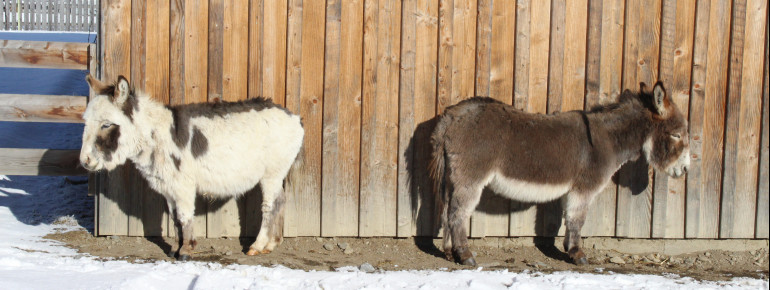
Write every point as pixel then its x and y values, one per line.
pixel 33 206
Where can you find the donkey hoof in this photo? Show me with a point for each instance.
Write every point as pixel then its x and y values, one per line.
pixel 253 252
pixel 184 258
pixel 581 261
pixel 470 262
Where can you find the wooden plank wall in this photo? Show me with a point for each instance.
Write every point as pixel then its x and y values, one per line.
pixel 369 76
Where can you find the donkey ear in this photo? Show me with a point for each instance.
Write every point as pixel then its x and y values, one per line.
pixel 122 91
pixel 96 85
pixel 660 99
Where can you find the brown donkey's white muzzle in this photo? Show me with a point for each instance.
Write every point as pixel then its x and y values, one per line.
pixel 679 168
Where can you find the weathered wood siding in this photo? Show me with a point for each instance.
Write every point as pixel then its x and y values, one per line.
pixel 368 77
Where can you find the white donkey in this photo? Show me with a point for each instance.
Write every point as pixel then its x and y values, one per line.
pixel 219 149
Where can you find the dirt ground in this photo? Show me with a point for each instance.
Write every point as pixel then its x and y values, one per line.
pixel 421 254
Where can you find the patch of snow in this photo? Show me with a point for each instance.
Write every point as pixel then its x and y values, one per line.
pixel 32 207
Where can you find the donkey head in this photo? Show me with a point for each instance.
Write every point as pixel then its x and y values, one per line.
pixel 668 148
pixel 110 136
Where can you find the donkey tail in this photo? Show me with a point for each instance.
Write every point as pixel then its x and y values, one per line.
pixel 437 168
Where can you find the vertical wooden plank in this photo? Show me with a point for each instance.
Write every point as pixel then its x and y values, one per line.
pixel 494 79
pixel 763 195
pixel 195 77
pixel 237 80
pixel 293 65
pixel 379 124
pixel 250 205
pixel 556 58
pixel 478 221
pixel 575 31
pixel 228 44
pixel 14 20
pixel 33 20
pixel 305 97
pixel 478 225
pixel 235 50
pixel 419 65
pixel 483 47
pixel 215 51
pixel 154 218
pixel 220 215
pixel 465 41
pixel 501 77
pixel 694 174
pixel 516 219
pixel 146 207
pixel 523 217
pixel 732 114
pixel 335 200
pixel 196 51
pixel 157 56
pixel 737 219
pixel 113 220
pixel 539 43
pixel 132 178
pixel 627 174
pixel 661 180
pixel 176 52
pixel 95 180
pixel 274 51
pixel 457 24
pixel 675 71
pixel 713 121
pixel 605 23
pixel 446 46
pixel 342 113
pixel 406 220
pixel 254 29
pixel 635 208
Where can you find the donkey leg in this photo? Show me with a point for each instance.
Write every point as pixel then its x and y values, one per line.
pixel 275 233
pixel 184 206
pixel 185 212
pixel 462 203
pixel 265 242
pixel 172 214
pixel 447 233
pixel 575 216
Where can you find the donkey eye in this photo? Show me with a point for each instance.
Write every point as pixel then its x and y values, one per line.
pixel 676 136
pixel 106 125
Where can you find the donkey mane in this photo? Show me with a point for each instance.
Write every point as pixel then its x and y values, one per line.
pixel 218 109
pixel 181 114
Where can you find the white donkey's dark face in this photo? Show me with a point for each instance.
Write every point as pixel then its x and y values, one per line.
pixel 110 136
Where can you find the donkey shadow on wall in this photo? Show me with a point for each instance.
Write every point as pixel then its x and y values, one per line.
pixel 424 202
pixel 143 204
pixel 153 212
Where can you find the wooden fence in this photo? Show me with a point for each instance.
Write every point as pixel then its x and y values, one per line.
pixel 49 15
pixel 43 108
pixel 368 77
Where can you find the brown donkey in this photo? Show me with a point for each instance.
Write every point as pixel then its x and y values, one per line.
pixel 538 158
